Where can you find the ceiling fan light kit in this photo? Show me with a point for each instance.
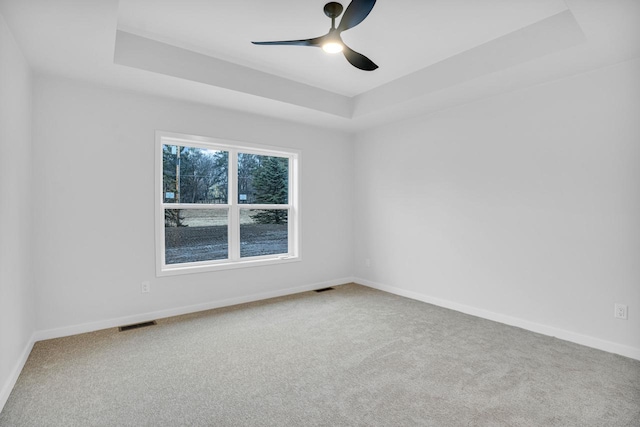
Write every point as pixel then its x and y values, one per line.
pixel 331 42
pixel 332 47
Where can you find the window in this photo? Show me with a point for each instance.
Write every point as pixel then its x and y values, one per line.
pixel 224 205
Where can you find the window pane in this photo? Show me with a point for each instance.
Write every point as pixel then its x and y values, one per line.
pixel 192 235
pixel 194 175
pixel 263 232
pixel 263 179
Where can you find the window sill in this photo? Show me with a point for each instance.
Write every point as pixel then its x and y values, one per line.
pixel 190 269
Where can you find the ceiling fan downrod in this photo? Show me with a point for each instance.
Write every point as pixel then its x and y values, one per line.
pixel 333 10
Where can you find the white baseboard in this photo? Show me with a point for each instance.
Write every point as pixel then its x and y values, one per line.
pixel 5 391
pixel 562 334
pixel 145 317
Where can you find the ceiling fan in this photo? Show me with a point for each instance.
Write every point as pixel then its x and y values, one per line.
pixel 331 42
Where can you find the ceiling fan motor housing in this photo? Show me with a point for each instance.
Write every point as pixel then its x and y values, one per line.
pixel 333 9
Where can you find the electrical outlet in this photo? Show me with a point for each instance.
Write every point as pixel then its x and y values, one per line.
pixel 145 287
pixel 620 311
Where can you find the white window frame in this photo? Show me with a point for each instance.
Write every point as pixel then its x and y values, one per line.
pixel 233 235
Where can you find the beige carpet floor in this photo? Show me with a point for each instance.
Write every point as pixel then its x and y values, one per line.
pixel 348 357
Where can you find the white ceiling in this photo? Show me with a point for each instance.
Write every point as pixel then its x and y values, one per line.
pixel 401 36
pixel 432 54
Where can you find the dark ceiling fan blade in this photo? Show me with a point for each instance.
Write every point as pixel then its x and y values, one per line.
pixel 355 13
pixel 358 60
pixel 316 42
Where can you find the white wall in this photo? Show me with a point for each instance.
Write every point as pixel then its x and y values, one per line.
pixel 16 290
pixel 94 206
pixel 524 208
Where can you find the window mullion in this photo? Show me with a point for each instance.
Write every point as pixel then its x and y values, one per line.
pixel 265 206
pixel 194 206
pixel 234 211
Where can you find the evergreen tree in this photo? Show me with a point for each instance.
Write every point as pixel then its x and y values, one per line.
pixel 270 182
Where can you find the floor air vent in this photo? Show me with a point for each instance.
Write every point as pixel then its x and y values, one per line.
pixel 324 290
pixel 136 326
